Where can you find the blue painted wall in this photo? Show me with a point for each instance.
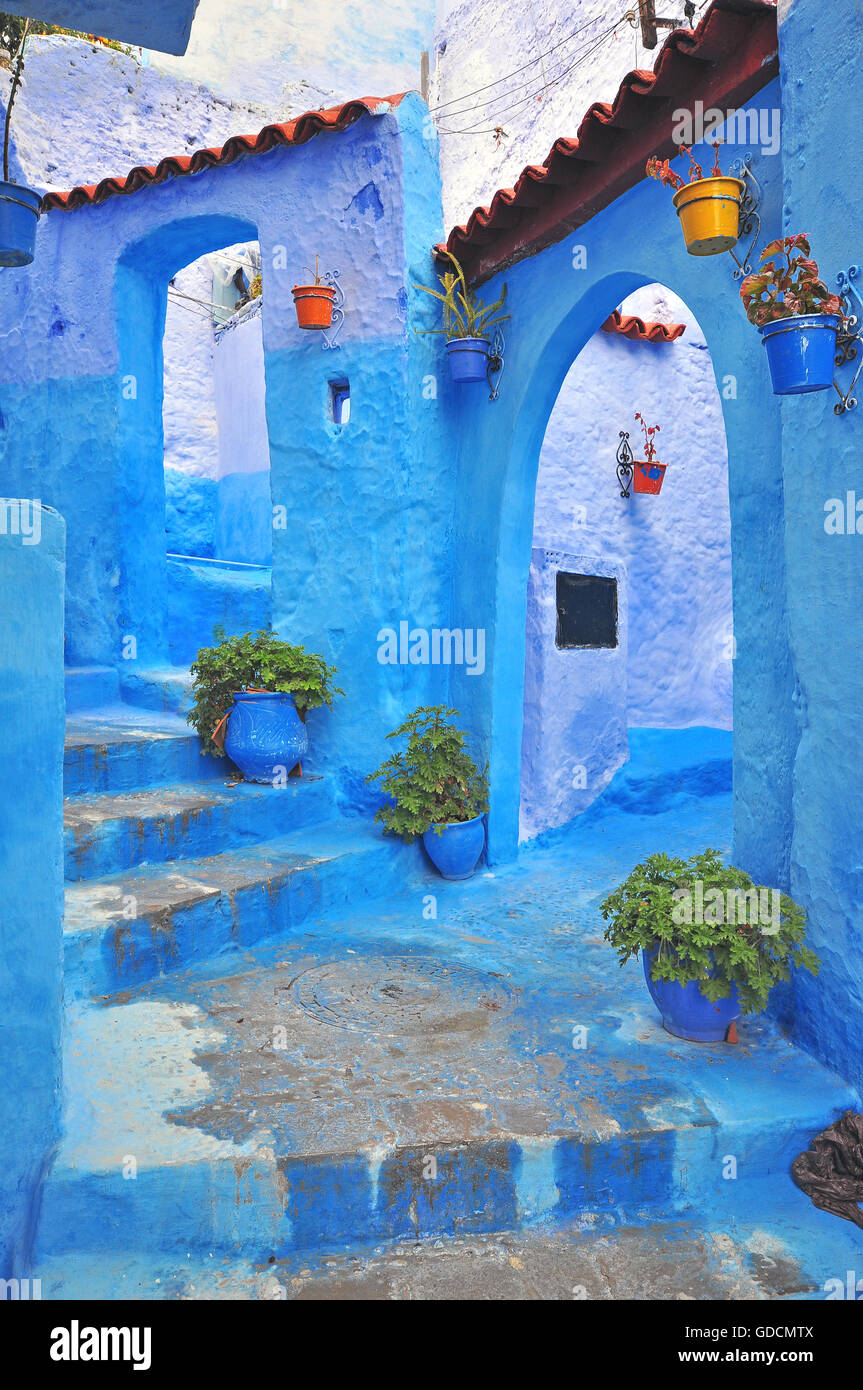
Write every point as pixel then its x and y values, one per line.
pixel 31 871
pixel 823 196
pixel 160 24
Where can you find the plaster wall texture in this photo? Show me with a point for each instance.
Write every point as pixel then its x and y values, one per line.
pixel 567 60
pixel 820 49
pixel 158 24
pixel 575 735
pixel 86 112
pixel 676 547
pixel 31 868
pixel 556 309
pixel 366 506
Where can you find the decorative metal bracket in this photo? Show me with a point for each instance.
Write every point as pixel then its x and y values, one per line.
pixel 495 363
pixel 849 339
pixel 749 224
pixel 625 460
pixel 330 334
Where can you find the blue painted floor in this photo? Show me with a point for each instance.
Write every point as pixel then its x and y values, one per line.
pixel 453 1063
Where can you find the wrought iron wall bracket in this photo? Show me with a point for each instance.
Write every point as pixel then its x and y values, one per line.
pixel 330 334
pixel 625 460
pixel 749 224
pixel 495 364
pixel 849 339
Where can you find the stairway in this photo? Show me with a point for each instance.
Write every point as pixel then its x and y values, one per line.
pixel 287 1042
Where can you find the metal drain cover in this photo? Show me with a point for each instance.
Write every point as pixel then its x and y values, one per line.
pixel 401 995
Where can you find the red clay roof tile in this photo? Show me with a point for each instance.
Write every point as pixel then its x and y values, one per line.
pixel 640 330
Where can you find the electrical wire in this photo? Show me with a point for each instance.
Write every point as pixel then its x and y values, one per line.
pixel 523 101
pixel 532 63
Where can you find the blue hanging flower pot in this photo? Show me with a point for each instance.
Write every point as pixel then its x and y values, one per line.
pixel 686 1012
pixel 19 213
pixel 265 736
pixel 801 352
pixel 468 358
pixel 455 848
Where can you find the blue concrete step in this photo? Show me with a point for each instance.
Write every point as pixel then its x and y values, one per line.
pixel 91 687
pixel 115 831
pixel 121 749
pixel 134 926
pixel 166 689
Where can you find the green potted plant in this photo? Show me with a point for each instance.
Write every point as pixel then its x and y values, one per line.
pixel 713 943
pixel 436 790
pixel 648 474
pixel 19 205
pixel 467 322
pixel 708 208
pixel 796 314
pixel 252 694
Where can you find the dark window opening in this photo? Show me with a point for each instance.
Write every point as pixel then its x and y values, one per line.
pixel 340 402
pixel 586 610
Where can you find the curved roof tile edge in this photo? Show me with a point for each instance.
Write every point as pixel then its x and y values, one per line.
pixel 687 43
pixel 295 132
pixel 639 330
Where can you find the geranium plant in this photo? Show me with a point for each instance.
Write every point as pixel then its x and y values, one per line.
pixel 649 431
pixel 255 661
pixel 661 169
pixel 464 314
pixel 711 924
pixel 433 781
pixel 787 284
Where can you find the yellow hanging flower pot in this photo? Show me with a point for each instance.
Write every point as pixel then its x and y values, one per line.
pixel 709 212
pixel 709 209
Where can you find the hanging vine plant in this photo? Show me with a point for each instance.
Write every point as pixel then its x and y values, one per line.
pixel 19 205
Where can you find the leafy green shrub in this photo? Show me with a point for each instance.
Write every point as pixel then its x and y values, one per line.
pixel 255 661
pixel 433 781
pixel 711 923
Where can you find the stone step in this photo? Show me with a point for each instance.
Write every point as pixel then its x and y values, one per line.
pixel 166 689
pixel 690 1260
pixel 121 749
pixel 158 918
pixel 116 831
pixel 91 687
pixel 371 1084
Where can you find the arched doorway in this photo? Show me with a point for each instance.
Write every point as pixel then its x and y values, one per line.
pixel 629 631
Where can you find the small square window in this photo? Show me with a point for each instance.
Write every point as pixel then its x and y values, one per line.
pixel 340 402
pixel 586 610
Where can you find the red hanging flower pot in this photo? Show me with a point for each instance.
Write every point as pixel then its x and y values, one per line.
pixel 648 475
pixel 314 305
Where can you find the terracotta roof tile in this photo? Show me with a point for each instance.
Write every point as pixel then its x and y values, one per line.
pixel 295 132
pixel 729 57
pixel 640 330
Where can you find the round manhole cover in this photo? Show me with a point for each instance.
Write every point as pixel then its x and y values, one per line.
pixel 401 995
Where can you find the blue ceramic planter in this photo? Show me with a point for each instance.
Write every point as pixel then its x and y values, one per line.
pixel 685 1011
pixel 265 736
pixel 19 211
pixel 456 850
pixel 468 358
pixel 801 352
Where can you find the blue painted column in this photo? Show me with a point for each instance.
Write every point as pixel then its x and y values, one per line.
pixel 32 726
pixel 820 49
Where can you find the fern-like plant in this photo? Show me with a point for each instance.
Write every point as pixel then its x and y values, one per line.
pixel 433 781
pixel 255 661
pixel 747 936
pixel 464 314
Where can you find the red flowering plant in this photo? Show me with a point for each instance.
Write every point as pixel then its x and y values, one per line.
pixel 649 432
pixel 782 289
pixel 661 169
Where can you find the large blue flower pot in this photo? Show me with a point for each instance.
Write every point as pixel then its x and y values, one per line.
pixel 801 353
pixel 19 211
pixel 265 736
pixel 685 1011
pixel 468 358
pixel 456 850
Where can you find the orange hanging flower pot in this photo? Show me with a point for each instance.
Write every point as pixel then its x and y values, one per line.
pixel 314 305
pixel 648 476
